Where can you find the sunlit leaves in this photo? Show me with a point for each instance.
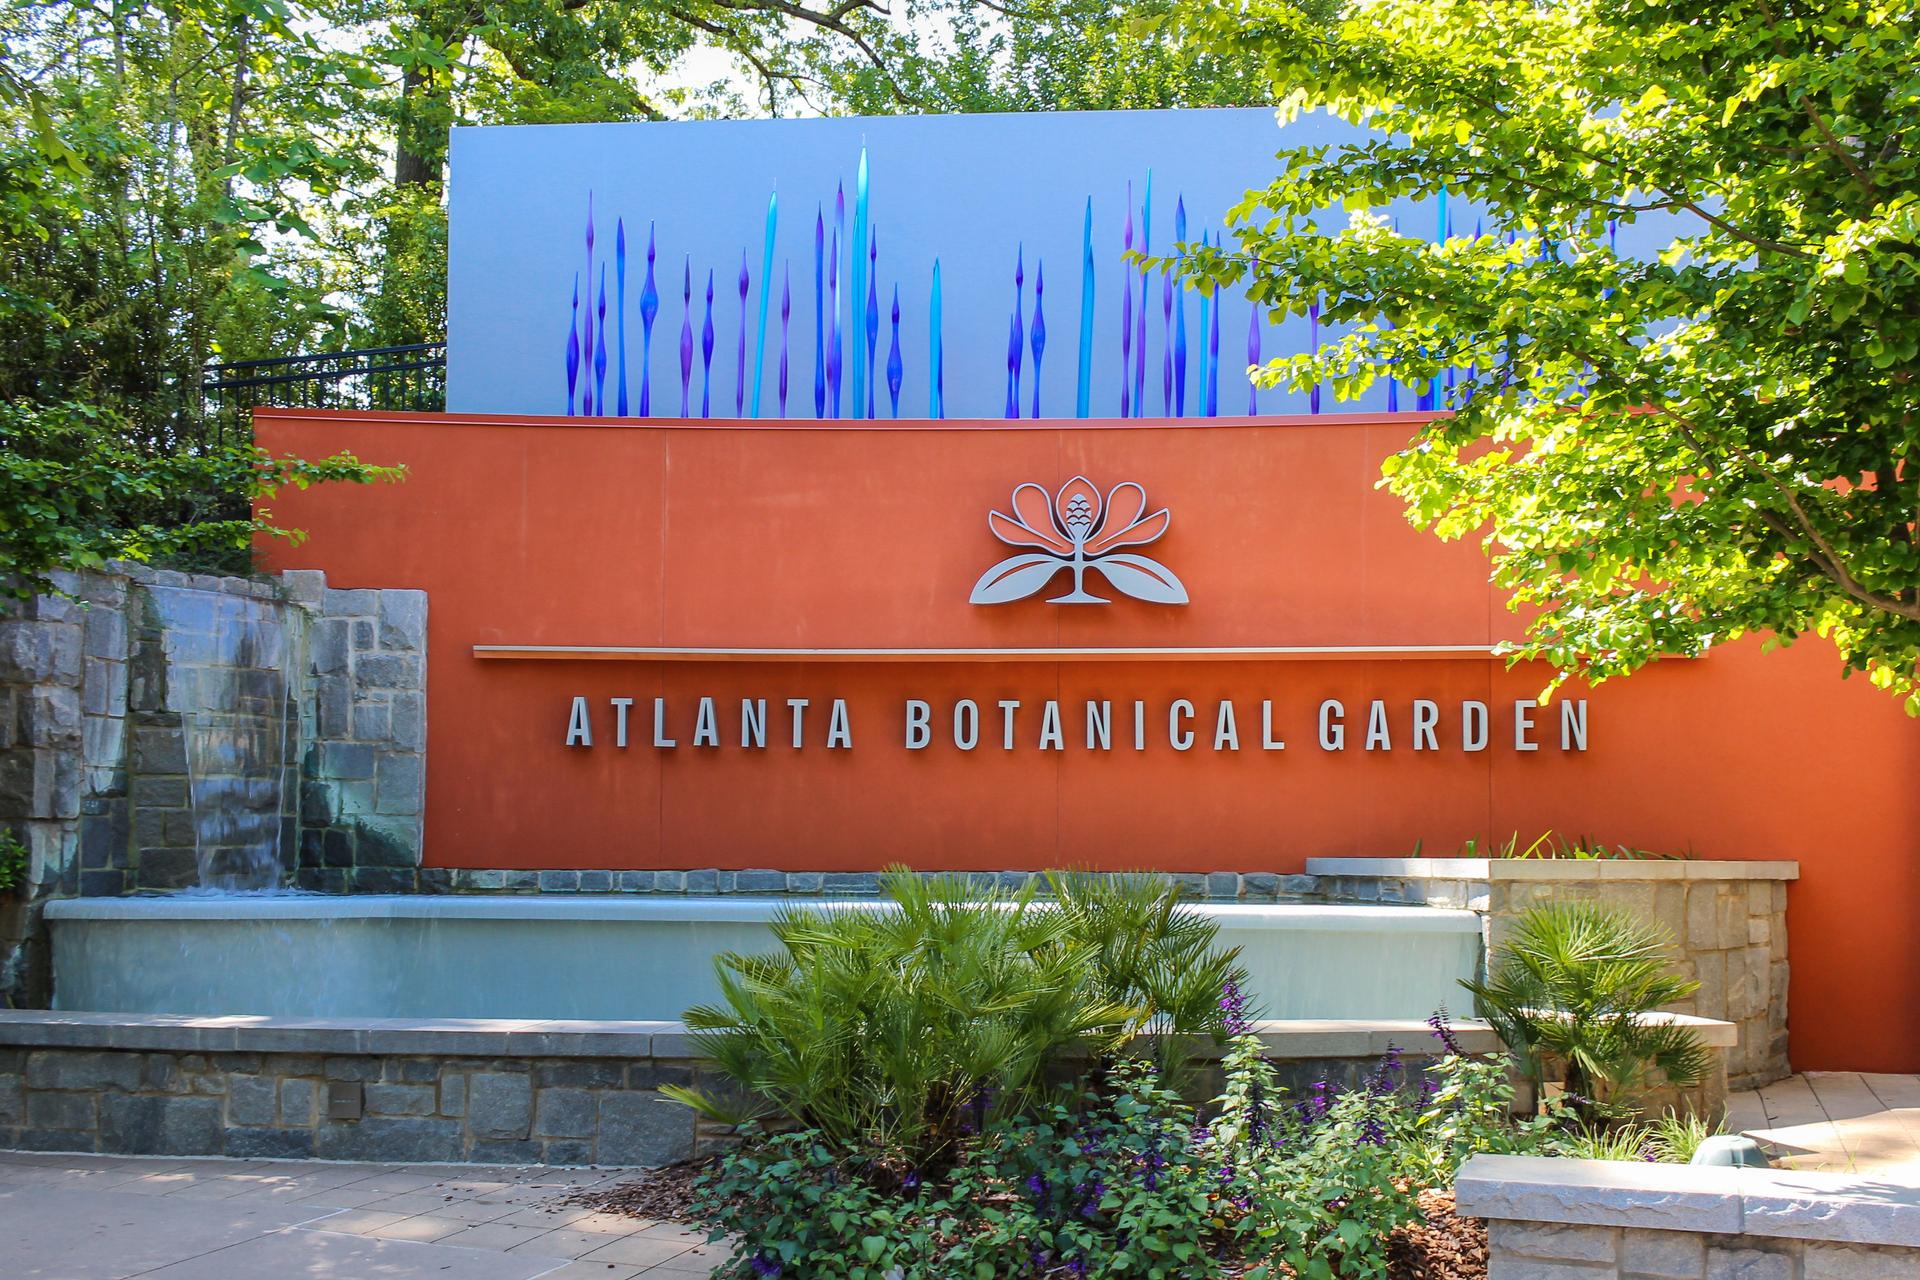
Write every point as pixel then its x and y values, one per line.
pixel 1707 440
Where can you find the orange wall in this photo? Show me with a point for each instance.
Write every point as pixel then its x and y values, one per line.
pixel 548 532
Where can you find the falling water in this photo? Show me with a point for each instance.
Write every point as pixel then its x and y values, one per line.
pixel 227 665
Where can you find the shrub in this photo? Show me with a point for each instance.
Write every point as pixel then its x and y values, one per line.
pixel 892 1032
pixel 1572 987
pixel 1124 1180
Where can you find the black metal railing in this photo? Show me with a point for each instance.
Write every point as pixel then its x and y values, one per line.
pixel 412 377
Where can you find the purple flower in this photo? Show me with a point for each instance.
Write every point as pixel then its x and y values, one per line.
pixel 765 1265
pixel 1077 1267
pixel 912 1179
pixel 1038 1186
pixel 1383 1081
pixel 1233 1010
pixel 1444 1033
pixel 1372 1132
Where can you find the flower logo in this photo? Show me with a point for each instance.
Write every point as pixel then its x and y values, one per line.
pixel 1075 529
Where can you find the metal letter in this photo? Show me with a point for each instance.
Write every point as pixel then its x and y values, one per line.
pixel 919 724
pixel 1473 726
pixel 1226 733
pixel 1179 739
pixel 620 706
pixel 1051 737
pixel 706 725
pixel 1333 729
pixel 1378 739
pixel 660 738
pixel 1267 741
pixel 839 732
pixel 966 724
pixel 1523 725
pixel 1007 707
pixel 1426 714
pixel 1139 726
pixel 753 722
pixel 1573 725
pixel 1100 725
pixel 579 730
pixel 799 709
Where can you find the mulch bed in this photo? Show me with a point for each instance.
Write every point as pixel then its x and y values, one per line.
pixel 1444 1247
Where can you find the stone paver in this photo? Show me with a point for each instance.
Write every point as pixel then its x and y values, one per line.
pixel 78 1217
pixel 1836 1122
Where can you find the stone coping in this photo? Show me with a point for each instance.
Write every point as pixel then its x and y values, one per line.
pixel 510 1038
pixel 623 907
pixel 1555 868
pixel 1781 1203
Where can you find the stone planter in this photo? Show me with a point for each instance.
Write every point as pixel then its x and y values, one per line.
pixel 1728 921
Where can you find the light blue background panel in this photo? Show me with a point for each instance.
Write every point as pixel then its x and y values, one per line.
pixel 974 191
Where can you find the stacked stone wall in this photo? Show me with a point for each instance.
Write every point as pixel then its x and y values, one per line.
pixel 298 713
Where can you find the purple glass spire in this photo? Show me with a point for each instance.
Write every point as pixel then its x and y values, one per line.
pixel 1253 352
pixel 586 394
pixel 896 367
pixel 573 344
pixel 1015 344
pixel 740 364
pixel 706 353
pixel 871 331
pixel 786 309
pixel 686 333
pixel 819 314
pixel 833 333
pixel 620 305
pixel 649 308
pixel 1039 327
pixel 600 351
pixel 1126 314
pixel 1140 334
pixel 1313 345
pixel 836 362
pixel 1166 343
pixel 1213 358
pixel 1180 316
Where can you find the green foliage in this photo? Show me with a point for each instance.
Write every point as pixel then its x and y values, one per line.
pixel 892 1030
pixel 1660 455
pixel 1548 845
pixel 14 862
pixel 74 493
pixel 1125 1179
pixel 1670 1139
pixel 1572 987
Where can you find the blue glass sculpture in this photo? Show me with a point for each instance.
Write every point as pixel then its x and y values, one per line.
pixel 871 318
pixel 686 334
pixel 896 368
pixel 600 350
pixel 1126 315
pixel 1253 350
pixel 649 308
pixel 740 359
pixel 786 309
pixel 586 393
pixel 1140 334
pixel 620 306
pixel 936 358
pixel 1180 315
pixel 819 315
pixel 573 344
pixel 706 353
pixel 1083 386
pixel 766 283
pixel 1015 346
pixel 1039 338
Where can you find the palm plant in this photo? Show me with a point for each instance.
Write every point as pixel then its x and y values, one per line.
pixel 1149 953
pixel 1573 986
pixel 894 1030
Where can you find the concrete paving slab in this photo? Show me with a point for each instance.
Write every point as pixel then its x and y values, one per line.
pixel 77 1234
pixel 324 1253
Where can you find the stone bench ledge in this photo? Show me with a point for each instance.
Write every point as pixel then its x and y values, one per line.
pixel 509 1038
pixel 1555 868
pixel 1779 1203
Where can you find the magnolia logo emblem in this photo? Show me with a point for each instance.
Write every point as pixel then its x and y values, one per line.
pixel 1074 529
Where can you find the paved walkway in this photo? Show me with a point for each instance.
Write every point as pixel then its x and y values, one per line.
pixel 1836 1121
pixel 108 1218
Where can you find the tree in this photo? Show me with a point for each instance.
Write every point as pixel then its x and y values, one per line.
pixel 1663 454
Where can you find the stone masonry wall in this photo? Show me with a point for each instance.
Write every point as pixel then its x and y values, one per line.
pixel 403 1109
pixel 1547 1251
pixel 1732 939
pixel 297 712
pixel 1728 922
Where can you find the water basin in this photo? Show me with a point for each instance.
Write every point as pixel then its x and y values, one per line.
pixel 625 957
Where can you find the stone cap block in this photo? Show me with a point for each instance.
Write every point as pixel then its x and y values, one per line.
pixel 1556 868
pixel 1780 1203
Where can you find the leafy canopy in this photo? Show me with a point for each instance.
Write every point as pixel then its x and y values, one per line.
pixel 1661 455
